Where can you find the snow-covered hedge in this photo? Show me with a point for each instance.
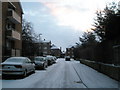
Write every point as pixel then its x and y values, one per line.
pixel 110 70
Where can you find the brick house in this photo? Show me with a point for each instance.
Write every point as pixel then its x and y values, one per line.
pixel 44 48
pixel 70 52
pixel 55 51
pixel 10 29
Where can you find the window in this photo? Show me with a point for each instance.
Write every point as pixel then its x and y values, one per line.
pixel 39 47
pixel 45 52
pixel 12 44
pixel 45 47
pixel 8 44
pixel 10 26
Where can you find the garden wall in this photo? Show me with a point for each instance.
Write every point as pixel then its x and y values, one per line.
pixel 108 69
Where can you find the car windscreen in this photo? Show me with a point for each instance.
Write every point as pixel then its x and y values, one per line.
pixel 15 60
pixel 39 59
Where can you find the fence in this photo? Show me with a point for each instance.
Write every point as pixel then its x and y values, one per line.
pixel 108 69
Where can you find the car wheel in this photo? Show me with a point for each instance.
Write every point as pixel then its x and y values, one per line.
pixel 43 66
pixel 25 73
pixel 34 70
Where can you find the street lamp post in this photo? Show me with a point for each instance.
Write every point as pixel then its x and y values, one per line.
pixel 39 42
pixel 39 37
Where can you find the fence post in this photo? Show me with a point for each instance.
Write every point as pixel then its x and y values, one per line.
pixel 116 49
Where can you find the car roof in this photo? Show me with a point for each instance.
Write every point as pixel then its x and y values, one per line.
pixel 39 57
pixel 19 57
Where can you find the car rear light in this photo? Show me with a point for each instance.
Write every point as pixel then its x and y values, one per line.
pixel 18 66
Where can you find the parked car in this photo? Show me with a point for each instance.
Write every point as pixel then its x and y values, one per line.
pixel 67 58
pixel 17 66
pixel 40 62
pixel 50 59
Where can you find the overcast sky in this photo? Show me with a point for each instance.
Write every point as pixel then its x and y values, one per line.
pixel 62 21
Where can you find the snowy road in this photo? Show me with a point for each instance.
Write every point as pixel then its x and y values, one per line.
pixel 63 74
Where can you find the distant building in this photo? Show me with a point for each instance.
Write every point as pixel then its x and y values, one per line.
pixel 69 52
pixel 44 48
pixel 10 29
pixel 55 51
pixel 62 54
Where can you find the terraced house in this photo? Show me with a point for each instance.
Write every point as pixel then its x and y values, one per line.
pixel 10 29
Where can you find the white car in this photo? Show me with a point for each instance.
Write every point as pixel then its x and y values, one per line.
pixel 17 66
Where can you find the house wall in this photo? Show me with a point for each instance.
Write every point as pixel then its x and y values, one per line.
pixel 44 48
pixel 56 52
pixel 17 48
pixel 69 52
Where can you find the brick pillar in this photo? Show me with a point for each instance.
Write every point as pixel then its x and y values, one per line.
pixel 116 54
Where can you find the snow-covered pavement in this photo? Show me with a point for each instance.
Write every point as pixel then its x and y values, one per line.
pixel 63 74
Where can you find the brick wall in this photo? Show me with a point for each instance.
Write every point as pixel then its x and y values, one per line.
pixel 108 69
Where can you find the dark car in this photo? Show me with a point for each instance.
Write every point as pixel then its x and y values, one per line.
pixel 50 59
pixel 67 58
pixel 40 62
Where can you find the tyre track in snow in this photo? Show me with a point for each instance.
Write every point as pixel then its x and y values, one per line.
pixel 79 77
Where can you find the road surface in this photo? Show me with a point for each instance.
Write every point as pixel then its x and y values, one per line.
pixel 63 74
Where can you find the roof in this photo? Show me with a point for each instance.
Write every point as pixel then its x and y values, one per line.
pixel 54 47
pixel 45 41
